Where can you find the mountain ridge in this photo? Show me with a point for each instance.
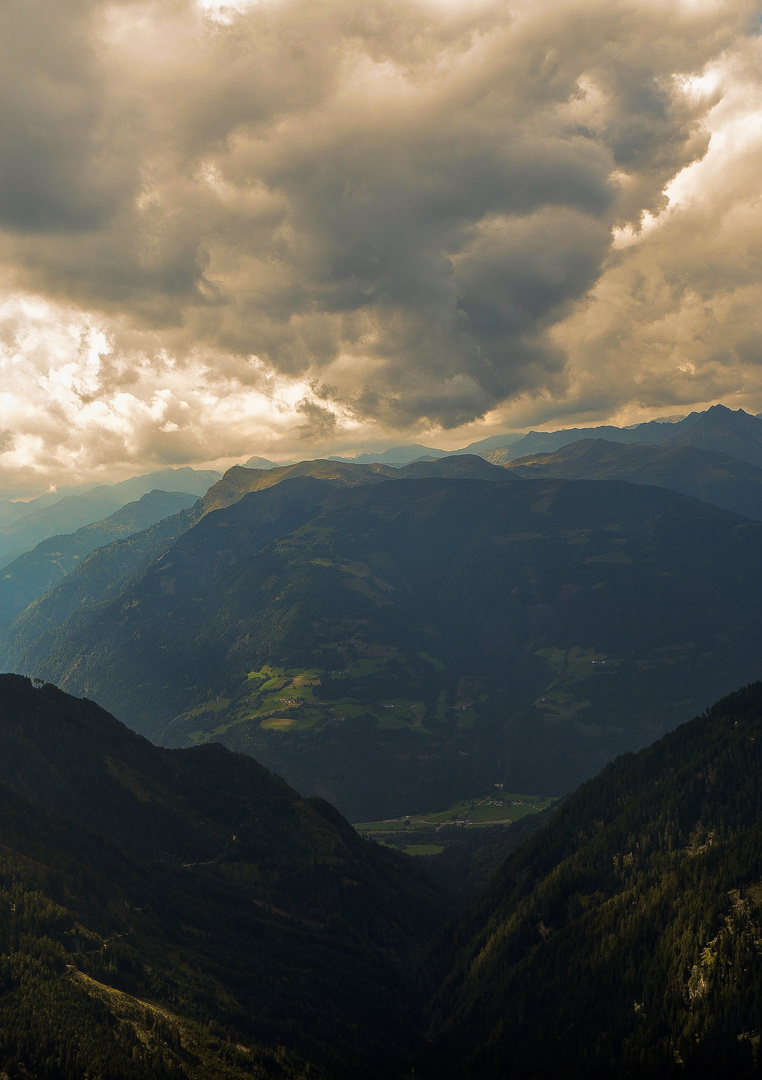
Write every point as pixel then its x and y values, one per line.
pixel 184 913
pixel 58 514
pixel 625 934
pixel 38 570
pixel 714 477
pixel 455 633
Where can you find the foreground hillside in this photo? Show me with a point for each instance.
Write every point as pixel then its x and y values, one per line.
pixel 396 645
pixel 625 939
pixel 186 914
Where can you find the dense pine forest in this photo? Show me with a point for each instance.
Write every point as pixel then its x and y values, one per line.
pixel 185 914
pixel 625 939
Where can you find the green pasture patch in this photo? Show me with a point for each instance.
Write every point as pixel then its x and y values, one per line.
pixel 299 722
pixel 266 672
pixel 400 712
pixel 268 694
pixel 343 709
pixel 438 665
pixel 441 827
pixel 424 849
pixel 563 697
pixel 383 826
pixel 553 656
pixel 561 707
pixel 310 677
pixel 466 716
pixel 215 706
pixel 451 814
pixel 277 682
pixel 322 562
pixel 575 662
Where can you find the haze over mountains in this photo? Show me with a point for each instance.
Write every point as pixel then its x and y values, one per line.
pixel 38 570
pixel 393 639
pixel 395 643
pixel 23 525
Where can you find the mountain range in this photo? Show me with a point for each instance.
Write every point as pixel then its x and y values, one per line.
pixel 24 525
pixel 718 429
pixel 38 570
pixel 395 644
pixel 394 640
pixel 704 474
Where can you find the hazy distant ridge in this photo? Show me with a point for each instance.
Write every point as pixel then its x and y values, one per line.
pixel 38 570
pixel 53 515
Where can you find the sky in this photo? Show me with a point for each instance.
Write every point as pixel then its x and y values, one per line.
pixel 287 228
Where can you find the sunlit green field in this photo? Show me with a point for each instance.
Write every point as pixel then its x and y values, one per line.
pixel 418 833
pixel 287 699
pixel 569 669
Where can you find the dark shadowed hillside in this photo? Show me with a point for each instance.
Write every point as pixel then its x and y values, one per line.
pixel 624 939
pixel 397 645
pixel 186 914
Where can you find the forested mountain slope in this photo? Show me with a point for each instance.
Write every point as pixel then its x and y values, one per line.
pixel 625 939
pixel 186 914
pixel 396 645
pixel 102 576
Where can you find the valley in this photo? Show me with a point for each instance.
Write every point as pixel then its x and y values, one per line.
pixel 430 834
pixel 185 914
pixel 397 644
pixel 380 540
pixel 444 652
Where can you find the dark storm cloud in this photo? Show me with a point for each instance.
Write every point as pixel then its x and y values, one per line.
pixel 65 164
pixel 398 200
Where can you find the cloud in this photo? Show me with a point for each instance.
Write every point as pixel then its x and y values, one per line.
pixel 674 319
pixel 340 218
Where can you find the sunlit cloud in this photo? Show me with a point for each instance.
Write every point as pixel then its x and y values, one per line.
pixel 281 227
